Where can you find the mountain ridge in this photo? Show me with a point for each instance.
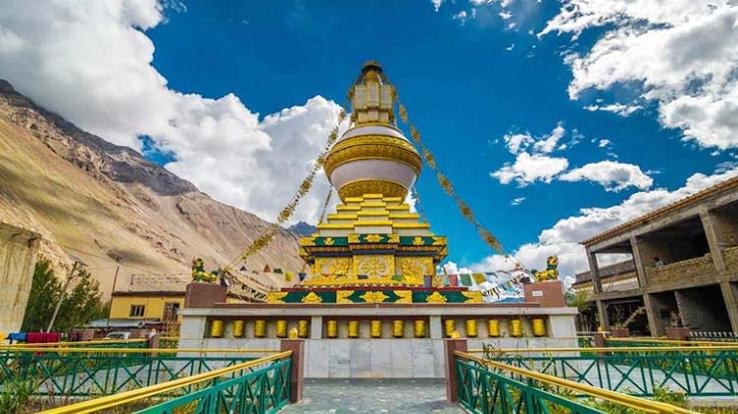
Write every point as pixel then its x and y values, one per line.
pixel 111 207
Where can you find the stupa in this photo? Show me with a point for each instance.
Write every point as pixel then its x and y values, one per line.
pixel 372 304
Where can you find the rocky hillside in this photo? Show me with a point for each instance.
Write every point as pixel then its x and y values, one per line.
pixel 109 206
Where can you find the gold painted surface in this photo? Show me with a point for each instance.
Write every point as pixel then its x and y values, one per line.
pixel 365 147
pixel 419 328
pixel 281 328
pixel 312 298
pixel 374 297
pixel 374 266
pixel 398 328
pixel 276 297
pixel 260 328
pixel 332 328
pixel 471 328
pixel 216 328
pixel 493 328
pixel 449 327
pixel 302 328
pixel 353 329
pixel 539 327
pixel 516 328
pixel 376 328
pixel 238 329
pixel 405 296
pixel 333 265
pixel 362 186
pixel 436 298
pixel 414 268
pixel 342 296
pixel 473 297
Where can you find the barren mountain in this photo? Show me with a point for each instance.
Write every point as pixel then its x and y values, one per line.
pixel 108 206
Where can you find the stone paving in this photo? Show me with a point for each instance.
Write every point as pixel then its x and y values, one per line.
pixel 374 396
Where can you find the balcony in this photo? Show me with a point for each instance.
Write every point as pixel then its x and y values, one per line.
pixel 730 255
pixel 682 272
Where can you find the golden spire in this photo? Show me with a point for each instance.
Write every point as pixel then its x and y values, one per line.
pixel 372 96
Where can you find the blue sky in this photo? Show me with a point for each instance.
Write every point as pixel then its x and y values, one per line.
pixel 585 114
pixel 464 90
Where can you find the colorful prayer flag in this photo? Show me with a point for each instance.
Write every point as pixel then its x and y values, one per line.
pixel 466 279
pixel 453 280
pixel 478 278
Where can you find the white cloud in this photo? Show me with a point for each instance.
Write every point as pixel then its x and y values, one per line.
pixel 563 238
pixel 616 108
pixel 548 144
pixel 684 57
pixel 529 168
pixel 603 143
pixel 437 4
pixel 614 176
pixel 517 142
pixel 91 62
pixel 517 201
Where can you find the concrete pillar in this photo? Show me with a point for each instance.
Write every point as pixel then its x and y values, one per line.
pixel 730 297
pixel 435 327
pixel 602 317
pixel 594 271
pixel 316 327
pixel 452 384
pixel 708 224
pixel 638 259
pixel 654 319
pixel 297 373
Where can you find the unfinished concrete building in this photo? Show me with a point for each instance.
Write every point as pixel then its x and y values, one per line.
pixel 681 267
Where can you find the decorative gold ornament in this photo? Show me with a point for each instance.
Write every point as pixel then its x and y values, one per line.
pixel 374 297
pixel 436 298
pixel 342 296
pixel 473 296
pixel 418 241
pixel 328 241
pixel 353 238
pixel 404 296
pixel 276 297
pixel 359 187
pixel 374 266
pixel 373 238
pixel 332 265
pixel 413 269
pixel 380 147
pixel 311 298
pixel 393 238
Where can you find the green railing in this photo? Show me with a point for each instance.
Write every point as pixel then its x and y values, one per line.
pixel 486 386
pixel 78 373
pixel 483 391
pixel 266 390
pixel 692 371
pixel 258 386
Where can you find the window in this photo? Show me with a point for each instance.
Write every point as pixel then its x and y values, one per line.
pixel 170 311
pixel 137 311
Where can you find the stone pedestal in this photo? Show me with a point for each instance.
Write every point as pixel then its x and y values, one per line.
pixel 677 333
pixel 297 346
pixel 204 295
pixel 546 294
pixel 451 346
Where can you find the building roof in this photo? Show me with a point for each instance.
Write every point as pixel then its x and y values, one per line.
pixel 685 202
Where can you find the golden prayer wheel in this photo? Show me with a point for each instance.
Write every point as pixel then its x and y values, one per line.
pixel 353 331
pixel 471 328
pixel 237 329
pixel 332 328
pixel 539 327
pixel 420 328
pixel 260 328
pixel 281 328
pixel 516 327
pixel 493 328
pixel 293 333
pixel 450 325
pixel 216 328
pixel 302 328
pixel 398 328
pixel 376 328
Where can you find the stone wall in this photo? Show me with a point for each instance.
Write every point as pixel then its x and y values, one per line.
pixel 703 309
pixel 18 248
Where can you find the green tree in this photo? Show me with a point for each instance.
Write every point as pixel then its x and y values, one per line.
pixel 81 305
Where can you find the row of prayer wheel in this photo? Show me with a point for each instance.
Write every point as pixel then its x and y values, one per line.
pixel 260 329
pixel 538 327
pixel 375 328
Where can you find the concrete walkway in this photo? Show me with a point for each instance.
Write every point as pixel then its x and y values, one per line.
pixel 374 396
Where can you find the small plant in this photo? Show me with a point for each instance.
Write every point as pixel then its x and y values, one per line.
pixel 14 396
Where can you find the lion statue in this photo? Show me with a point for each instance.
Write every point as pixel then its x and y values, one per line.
pixel 551 272
pixel 199 274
